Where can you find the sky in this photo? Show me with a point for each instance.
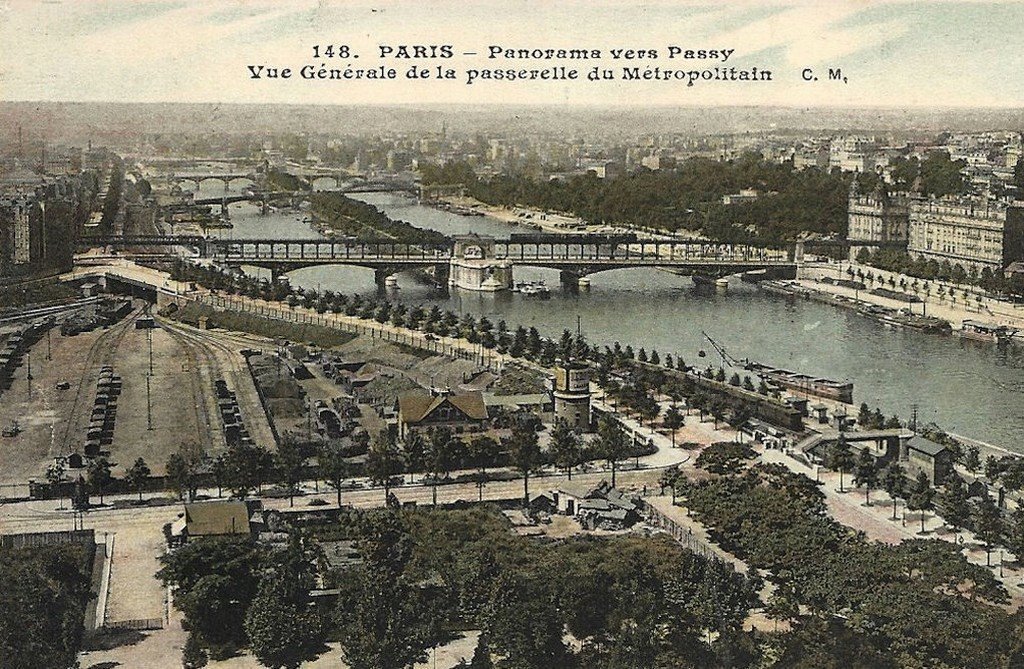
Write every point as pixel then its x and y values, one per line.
pixel 932 53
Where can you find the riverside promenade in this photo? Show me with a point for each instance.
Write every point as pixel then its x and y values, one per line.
pixel 955 309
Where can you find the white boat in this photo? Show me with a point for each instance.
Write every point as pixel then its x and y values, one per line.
pixel 534 289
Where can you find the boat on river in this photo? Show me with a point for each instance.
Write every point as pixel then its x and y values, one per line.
pixel 817 386
pixel 533 289
pixel 840 391
pixel 988 332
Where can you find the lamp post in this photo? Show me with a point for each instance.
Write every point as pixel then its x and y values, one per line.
pixel 149 405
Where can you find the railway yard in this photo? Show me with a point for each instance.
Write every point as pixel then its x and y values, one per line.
pixel 67 406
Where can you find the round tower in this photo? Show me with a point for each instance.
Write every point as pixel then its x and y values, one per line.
pixel 572 394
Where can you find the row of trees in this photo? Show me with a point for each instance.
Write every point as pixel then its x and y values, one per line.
pixel 99 478
pixel 435 454
pixel 519 342
pixel 901 262
pixel 959 511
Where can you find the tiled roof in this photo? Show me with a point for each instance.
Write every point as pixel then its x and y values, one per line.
pixel 416 406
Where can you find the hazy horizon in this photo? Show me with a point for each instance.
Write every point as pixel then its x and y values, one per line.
pixel 106 122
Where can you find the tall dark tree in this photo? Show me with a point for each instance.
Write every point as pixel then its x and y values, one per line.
pixel 566 447
pixel 290 463
pixel 956 508
pixel 894 482
pixel 1015 532
pixel 921 496
pixel 183 470
pixel 483 450
pixel 385 621
pixel 281 625
pixel 988 525
pixel 866 473
pixel 215 580
pixel 442 454
pixel 245 468
pixel 43 594
pixel 383 461
pixel 523 625
pixel 55 475
pixel 333 466
pixel 672 421
pixel 612 443
pixel 524 453
pixel 137 475
pixel 99 476
pixel 840 458
pixel 972 459
pixel 415 449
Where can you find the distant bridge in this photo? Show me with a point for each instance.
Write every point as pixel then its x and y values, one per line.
pixel 225 177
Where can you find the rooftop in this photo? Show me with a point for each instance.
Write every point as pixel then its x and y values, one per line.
pixel 207 519
pixel 416 405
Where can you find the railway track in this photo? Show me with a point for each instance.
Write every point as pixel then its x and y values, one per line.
pixel 223 361
pixel 99 354
pixel 203 368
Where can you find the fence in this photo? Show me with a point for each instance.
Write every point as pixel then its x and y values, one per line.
pixel 33 539
pixel 137 624
pixel 686 537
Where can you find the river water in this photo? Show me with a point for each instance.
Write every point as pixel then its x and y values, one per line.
pixel 969 388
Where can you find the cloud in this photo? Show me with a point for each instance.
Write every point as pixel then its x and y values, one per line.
pixel 813 34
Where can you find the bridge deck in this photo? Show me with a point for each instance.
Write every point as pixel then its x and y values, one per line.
pixel 550 252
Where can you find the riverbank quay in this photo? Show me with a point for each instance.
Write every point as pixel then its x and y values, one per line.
pixel 557 223
pixel 951 302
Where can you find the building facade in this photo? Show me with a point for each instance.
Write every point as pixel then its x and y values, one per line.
pixel 877 217
pixel 974 232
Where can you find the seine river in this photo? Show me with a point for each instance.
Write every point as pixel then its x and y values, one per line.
pixel 972 389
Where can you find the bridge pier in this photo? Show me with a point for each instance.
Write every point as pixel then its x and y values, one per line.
pixel 442 275
pixel 381 274
pixel 574 281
